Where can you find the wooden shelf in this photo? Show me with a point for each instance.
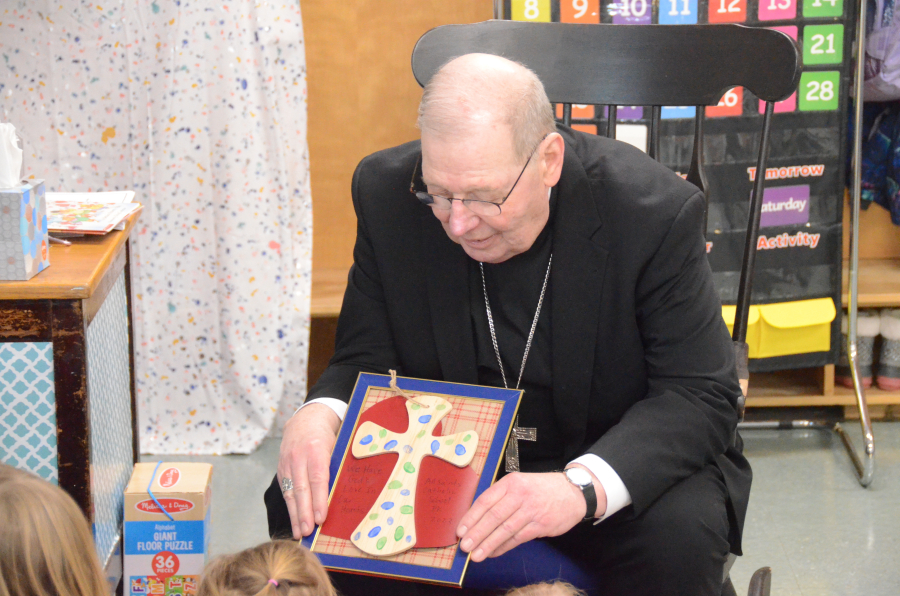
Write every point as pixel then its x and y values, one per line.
pixel 75 271
pixel 879 283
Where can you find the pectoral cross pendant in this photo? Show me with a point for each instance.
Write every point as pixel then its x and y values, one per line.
pixel 512 448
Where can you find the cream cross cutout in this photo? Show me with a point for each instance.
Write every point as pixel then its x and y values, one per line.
pixel 389 528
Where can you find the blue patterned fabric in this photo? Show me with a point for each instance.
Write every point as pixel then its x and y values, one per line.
pixel 880 157
pixel 109 385
pixel 28 408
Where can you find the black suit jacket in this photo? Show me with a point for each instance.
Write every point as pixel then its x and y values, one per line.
pixel 643 369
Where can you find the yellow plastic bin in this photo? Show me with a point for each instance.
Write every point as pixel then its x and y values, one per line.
pixel 797 327
pixel 728 312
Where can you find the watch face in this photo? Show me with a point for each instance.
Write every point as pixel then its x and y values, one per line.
pixel 578 476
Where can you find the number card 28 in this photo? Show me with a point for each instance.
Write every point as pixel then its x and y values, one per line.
pixel 819 90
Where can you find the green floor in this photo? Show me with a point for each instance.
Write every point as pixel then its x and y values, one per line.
pixel 809 520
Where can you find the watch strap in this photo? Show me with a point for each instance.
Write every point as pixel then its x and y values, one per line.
pixel 590 497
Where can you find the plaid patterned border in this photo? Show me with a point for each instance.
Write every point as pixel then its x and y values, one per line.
pixel 468 413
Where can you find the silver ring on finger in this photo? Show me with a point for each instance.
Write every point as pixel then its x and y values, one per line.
pixel 286 485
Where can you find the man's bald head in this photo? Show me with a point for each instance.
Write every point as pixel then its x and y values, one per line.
pixel 478 91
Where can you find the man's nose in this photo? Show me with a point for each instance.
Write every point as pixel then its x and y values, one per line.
pixel 462 220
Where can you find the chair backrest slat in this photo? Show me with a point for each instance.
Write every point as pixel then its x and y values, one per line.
pixel 650 65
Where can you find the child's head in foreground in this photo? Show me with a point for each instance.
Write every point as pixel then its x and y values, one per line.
pixel 277 568
pixel 46 547
pixel 547 589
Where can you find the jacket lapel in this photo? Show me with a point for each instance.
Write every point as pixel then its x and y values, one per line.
pixel 579 263
pixel 448 296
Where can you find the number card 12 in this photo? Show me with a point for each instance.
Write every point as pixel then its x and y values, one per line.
pixel 728 11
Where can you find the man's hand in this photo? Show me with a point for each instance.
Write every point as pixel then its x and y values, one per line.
pixel 522 507
pixel 309 437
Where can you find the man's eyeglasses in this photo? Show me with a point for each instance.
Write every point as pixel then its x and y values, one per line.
pixel 477 206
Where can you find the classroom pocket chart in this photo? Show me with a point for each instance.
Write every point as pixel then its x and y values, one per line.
pixel 807 150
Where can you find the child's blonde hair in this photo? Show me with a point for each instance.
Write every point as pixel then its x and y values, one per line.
pixel 46 548
pixel 556 588
pixel 277 568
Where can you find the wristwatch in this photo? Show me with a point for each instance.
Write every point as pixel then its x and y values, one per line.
pixel 583 480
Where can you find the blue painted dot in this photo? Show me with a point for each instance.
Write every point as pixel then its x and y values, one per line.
pixel 390 521
pixel 409 538
pixel 243 83
pixel 263 379
pixel 387 505
pixel 405 492
pixel 435 445
pixel 425 419
pixel 374 531
pixel 365 440
pixel 460 450
pixel 407 449
pixel 390 444
pixel 357 536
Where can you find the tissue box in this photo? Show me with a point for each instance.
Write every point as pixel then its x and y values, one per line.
pixel 162 555
pixel 24 246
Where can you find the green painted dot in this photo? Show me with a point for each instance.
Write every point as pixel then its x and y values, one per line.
pixel 421 434
pixel 381 542
pixel 407 509
pixel 373 448
pixel 408 467
pixel 448 442
pixel 382 433
pixel 467 437
pixel 415 406
pixel 373 517
pixel 441 407
pixel 398 533
pixel 395 484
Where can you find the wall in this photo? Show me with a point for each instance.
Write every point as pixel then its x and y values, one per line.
pixel 362 97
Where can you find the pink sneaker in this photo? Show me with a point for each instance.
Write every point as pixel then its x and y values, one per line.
pixel 888 377
pixel 867 325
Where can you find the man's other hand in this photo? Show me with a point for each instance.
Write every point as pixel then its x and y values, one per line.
pixel 522 507
pixel 309 437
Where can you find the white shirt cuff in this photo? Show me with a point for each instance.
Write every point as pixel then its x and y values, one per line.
pixel 337 406
pixel 617 496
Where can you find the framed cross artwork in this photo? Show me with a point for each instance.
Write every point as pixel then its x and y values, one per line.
pixel 410 459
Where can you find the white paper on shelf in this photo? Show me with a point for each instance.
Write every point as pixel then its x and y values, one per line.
pixel 112 197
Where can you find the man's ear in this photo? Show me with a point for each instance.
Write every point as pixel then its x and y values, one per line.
pixel 552 159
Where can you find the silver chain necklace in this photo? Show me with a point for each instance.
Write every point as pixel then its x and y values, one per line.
pixel 518 433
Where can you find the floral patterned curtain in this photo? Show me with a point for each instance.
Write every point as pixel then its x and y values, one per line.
pixel 200 107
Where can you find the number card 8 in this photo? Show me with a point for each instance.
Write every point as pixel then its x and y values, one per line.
pixel 819 90
pixel 537 11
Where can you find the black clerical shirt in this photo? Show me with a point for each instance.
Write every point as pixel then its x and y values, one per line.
pixel 514 288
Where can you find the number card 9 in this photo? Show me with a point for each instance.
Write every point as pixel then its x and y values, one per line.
pixel 728 11
pixel 579 11
pixel 536 11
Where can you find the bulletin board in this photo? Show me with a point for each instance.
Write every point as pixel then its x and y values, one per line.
pixel 799 244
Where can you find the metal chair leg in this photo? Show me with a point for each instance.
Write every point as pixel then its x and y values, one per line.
pixel 761 582
pixel 864 470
